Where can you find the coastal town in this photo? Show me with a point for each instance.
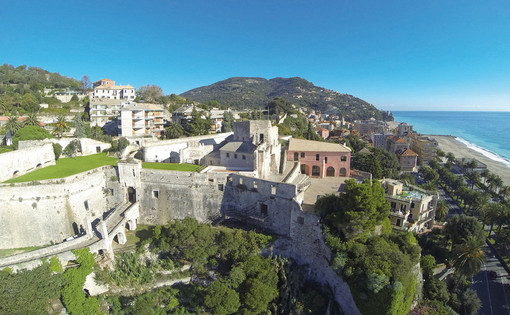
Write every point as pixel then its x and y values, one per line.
pixel 382 216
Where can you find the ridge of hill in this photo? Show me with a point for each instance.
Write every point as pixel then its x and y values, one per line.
pixel 253 93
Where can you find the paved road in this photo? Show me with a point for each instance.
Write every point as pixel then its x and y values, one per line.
pixel 452 204
pixel 490 289
pixel 489 284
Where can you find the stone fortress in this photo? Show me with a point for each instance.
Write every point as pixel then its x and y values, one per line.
pixel 244 180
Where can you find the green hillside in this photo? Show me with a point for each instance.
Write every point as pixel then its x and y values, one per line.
pixel 246 92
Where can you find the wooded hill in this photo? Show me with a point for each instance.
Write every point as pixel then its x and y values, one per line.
pixel 254 93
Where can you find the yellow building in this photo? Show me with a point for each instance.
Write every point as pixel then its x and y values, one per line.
pixel 412 209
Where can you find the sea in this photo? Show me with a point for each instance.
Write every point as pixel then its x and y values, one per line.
pixel 485 132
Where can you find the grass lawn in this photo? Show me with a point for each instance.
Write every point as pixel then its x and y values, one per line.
pixel 171 166
pixel 66 167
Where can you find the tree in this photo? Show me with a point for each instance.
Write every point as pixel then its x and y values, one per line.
pixel 441 210
pixel 85 83
pixel 72 148
pixel 57 150
pixel 30 133
pixel 228 122
pixel 459 228
pixel 61 126
pixel 13 125
pixel 450 157
pixel 73 297
pixel 149 93
pixel 29 103
pixel 468 257
pixel 80 129
pixel 256 295
pixel 199 124
pixel 31 120
pixel 221 299
pixel 174 130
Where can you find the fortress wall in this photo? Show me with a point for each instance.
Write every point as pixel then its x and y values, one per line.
pixel 25 160
pixel 170 150
pixel 39 213
pixel 179 195
pixel 266 204
pixel 88 146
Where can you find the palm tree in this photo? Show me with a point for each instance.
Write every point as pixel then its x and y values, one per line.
pixel 504 192
pixel 31 120
pixel 13 125
pixel 498 182
pixel 485 174
pixel 468 257
pixel 450 157
pixel 61 126
pixel 441 210
pixel 173 131
pixel 474 177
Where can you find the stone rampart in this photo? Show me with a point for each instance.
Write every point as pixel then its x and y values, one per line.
pixel 49 211
pixel 88 146
pixel 168 195
pixel 171 151
pixel 22 161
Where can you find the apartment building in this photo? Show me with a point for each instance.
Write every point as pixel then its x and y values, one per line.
pixel 139 120
pixel 425 147
pixel 107 99
pixel 412 209
pixel 367 127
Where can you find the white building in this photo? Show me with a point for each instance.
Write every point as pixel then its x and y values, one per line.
pixel 106 101
pixel 138 120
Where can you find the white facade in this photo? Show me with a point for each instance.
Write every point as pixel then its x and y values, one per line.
pixel 138 120
pixel 107 99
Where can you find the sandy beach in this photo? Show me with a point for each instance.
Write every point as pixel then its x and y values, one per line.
pixel 460 150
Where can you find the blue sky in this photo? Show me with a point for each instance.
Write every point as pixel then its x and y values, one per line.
pixel 411 55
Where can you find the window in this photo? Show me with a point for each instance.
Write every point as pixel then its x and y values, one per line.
pixel 316 171
pixel 263 209
pixel 317 157
pixel 220 187
pixel 343 158
pixel 155 193
pixel 303 169
pixel 296 156
pixel 273 189
pixel 326 159
pixel 228 154
pixel 302 154
pixel 412 205
pixel 244 157
pixel 235 156
pixel 393 205
pixel 255 184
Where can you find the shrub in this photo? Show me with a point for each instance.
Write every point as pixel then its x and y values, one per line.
pixel 57 150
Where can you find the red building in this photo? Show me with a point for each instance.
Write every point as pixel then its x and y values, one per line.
pixel 322 132
pixel 320 159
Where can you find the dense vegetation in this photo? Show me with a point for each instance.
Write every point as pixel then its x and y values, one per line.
pixel 22 89
pixel 255 93
pixel 380 163
pixel 228 275
pixel 380 269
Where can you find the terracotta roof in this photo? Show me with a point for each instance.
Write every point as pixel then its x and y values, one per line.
pixel 321 129
pixel 409 152
pixel 316 146
pixel 400 140
pixel 114 87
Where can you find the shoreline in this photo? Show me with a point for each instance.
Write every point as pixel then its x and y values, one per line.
pixel 448 143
